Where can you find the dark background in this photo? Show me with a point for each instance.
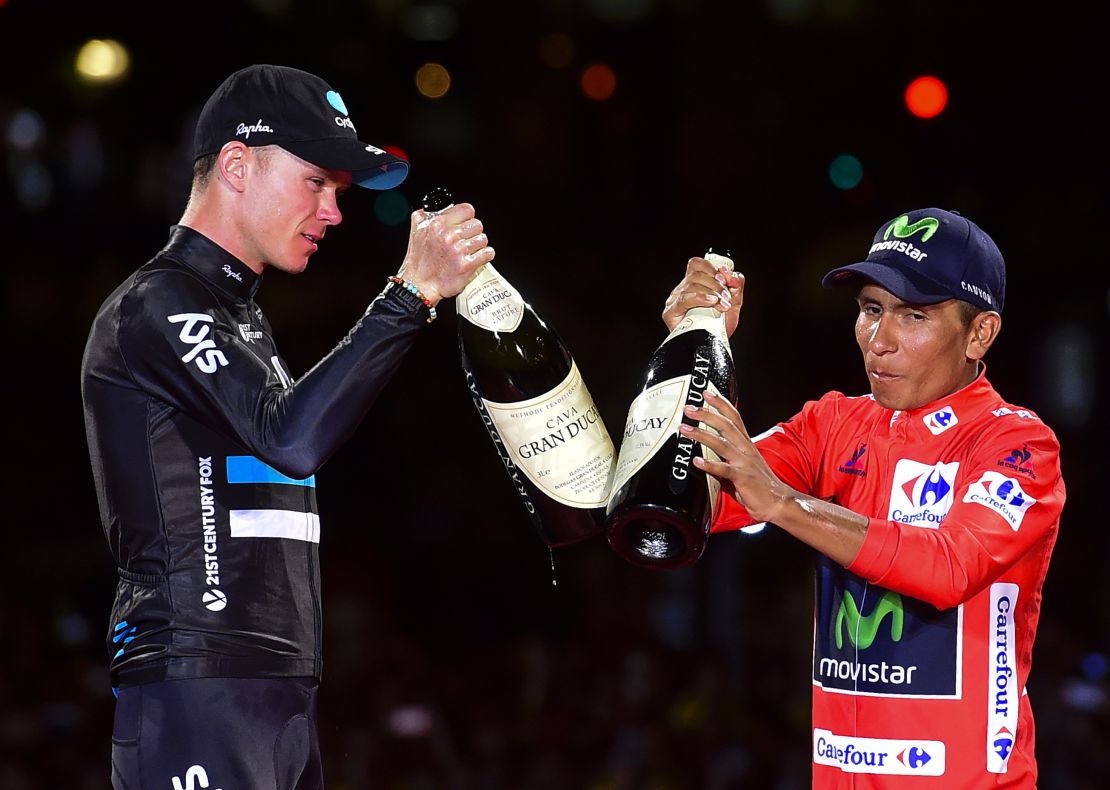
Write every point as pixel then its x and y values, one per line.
pixel 452 660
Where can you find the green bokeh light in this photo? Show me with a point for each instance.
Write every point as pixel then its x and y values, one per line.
pixel 392 208
pixel 845 172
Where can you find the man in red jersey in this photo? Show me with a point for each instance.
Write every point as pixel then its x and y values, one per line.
pixel 934 504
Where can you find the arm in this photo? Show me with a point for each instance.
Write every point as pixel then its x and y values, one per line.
pixel 996 520
pixel 202 366
pixel 998 517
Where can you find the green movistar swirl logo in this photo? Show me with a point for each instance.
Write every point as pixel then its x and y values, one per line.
pixel 902 228
pixel 863 630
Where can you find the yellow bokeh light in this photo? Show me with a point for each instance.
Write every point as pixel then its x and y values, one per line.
pixel 102 60
pixel 433 80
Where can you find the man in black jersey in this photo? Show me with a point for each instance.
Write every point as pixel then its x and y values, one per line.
pixel 204 446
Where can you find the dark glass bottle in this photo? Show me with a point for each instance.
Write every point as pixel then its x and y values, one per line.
pixel 660 505
pixel 539 414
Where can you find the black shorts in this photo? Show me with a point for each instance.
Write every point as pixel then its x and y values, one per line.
pixel 233 733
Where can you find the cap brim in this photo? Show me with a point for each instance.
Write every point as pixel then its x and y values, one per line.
pixel 908 285
pixel 369 166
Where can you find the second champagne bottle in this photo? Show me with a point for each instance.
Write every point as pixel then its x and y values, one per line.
pixel 661 506
pixel 534 404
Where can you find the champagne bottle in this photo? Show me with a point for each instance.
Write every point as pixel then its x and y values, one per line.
pixel 660 505
pixel 537 410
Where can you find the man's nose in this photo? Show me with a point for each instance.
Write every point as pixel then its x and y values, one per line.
pixel 329 209
pixel 884 337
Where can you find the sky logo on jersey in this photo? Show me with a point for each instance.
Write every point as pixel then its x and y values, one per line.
pixel 1002 682
pixel 940 421
pixel 893 757
pixel 922 494
pixel 195 333
pixel 875 642
pixel 853 466
pixel 1002 494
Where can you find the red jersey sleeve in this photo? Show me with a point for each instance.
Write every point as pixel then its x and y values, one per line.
pixel 1000 515
pixel 793 450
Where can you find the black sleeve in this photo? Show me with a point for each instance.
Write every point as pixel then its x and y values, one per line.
pixel 179 343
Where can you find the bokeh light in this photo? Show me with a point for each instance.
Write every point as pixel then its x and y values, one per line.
pixel 397 151
pixel 926 97
pixel 556 50
pixel 845 172
pixel 101 61
pixel 26 130
pixel 430 22
pixel 392 207
pixel 433 80
pixel 598 82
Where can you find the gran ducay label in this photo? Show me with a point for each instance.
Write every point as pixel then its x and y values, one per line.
pixel 559 441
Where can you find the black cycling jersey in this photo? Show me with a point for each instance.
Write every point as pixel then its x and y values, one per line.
pixel 204 449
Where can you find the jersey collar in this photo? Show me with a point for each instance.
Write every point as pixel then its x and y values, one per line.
pixel 211 261
pixel 945 413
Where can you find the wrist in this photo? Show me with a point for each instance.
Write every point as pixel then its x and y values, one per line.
pixel 410 293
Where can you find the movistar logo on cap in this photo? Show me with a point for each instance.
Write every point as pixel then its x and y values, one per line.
pixel 902 229
pixel 863 630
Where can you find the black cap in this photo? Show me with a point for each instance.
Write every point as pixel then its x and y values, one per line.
pixel 929 255
pixel 277 105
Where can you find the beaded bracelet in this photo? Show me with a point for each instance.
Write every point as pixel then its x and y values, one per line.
pixel 412 289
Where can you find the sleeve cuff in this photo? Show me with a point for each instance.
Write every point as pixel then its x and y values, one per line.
pixel 408 300
pixel 879 548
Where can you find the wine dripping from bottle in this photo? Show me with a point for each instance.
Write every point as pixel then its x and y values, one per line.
pixel 529 392
pixel 661 505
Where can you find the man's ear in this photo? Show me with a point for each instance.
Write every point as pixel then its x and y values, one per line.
pixel 982 333
pixel 231 165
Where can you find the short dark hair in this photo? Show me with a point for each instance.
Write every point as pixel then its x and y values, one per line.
pixel 202 170
pixel 205 166
pixel 968 311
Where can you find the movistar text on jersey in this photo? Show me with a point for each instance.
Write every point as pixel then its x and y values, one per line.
pixel 895 674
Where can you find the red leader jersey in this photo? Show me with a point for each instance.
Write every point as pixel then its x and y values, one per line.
pixel 922 646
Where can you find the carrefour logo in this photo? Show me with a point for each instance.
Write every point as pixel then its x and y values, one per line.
pixel 922 494
pixel 941 420
pixel 1002 680
pixel 1004 495
pixel 863 630
pixel 878 755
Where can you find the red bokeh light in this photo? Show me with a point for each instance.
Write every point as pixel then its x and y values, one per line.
pixel 598 82
pixel 396 150
pixel 926 97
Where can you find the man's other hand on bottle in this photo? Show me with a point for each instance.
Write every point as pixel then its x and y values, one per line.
pixel 706 286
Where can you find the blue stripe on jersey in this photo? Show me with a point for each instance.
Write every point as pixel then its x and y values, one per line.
pixel 248 469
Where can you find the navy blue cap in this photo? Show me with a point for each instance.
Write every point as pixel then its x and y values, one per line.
pixel 930 255
pixel 277 105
